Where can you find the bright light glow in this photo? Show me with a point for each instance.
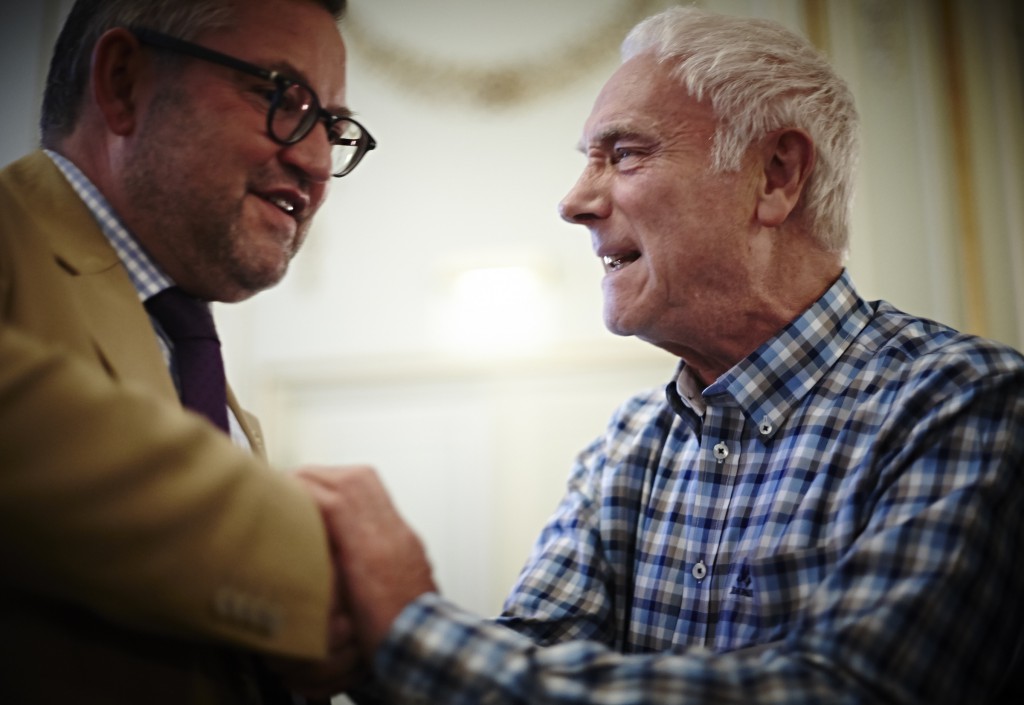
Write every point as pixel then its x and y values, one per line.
pixel 496 310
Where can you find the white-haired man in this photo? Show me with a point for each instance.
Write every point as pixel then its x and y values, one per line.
pixel 824 506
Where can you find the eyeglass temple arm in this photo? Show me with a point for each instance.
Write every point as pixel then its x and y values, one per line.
pixel 159 39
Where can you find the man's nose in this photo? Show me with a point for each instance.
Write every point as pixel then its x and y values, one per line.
pixel 311 154
pixel 587 200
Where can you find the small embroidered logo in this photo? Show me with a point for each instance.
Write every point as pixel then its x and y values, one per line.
pixel 743 583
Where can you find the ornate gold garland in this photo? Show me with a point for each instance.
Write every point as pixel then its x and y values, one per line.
pixel 499 85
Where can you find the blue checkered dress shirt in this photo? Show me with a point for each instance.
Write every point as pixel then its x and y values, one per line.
pixel 843 524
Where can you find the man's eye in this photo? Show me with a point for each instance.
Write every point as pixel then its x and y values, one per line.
pixel 623 153
pixel 291 101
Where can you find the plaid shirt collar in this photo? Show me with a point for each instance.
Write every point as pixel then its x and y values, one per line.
pixel 769 383
pixel 145 274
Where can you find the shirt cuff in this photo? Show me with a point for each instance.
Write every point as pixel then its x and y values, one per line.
pixel 437 652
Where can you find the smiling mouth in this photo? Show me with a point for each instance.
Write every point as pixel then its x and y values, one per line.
pixel 615 262
pixel 284 204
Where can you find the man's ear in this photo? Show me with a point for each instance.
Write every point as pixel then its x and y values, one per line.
pixel 788 157
pixel 117 63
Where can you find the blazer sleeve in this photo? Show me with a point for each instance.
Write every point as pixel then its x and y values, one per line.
pixel 128 506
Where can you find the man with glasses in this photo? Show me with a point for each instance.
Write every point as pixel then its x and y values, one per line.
pixel 149 554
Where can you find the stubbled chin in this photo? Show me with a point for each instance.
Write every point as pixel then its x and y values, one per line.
pixel 260 261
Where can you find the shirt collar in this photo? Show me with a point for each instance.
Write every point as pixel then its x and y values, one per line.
pixel 146 276
pixel 772 380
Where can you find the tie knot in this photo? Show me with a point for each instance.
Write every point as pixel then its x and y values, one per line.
pixel 181 316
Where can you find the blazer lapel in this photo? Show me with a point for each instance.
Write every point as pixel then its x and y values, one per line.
pixel 107 304
pixel 122 331
pixel 250 425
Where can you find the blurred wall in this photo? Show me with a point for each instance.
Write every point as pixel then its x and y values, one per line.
pixel 444 324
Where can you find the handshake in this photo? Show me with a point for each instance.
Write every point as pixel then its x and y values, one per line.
pixel 380 566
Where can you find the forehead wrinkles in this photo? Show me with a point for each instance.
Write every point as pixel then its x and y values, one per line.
pixel 642 100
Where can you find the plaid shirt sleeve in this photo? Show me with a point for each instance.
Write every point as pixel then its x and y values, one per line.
pixel 868 552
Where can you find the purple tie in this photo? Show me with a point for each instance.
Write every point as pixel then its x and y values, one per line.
pixel 189 325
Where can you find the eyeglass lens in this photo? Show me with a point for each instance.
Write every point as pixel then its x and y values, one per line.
pixel 295 112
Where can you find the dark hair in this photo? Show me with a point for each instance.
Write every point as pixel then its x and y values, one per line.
pixel 90 19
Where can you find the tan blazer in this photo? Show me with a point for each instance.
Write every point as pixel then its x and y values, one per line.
pixel 143 557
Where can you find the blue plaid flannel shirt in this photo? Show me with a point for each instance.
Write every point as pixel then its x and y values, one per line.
pixel 844 524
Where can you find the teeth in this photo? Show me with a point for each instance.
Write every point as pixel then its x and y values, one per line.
pixel 615 262
pixel 283 204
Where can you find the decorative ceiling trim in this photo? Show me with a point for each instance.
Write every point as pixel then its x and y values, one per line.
pixel 500 84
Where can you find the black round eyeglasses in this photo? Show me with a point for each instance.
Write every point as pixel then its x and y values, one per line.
pixel 294 108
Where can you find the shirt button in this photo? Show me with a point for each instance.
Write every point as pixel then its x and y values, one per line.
pixel 721 451
pixel 699 570
pixel 766 427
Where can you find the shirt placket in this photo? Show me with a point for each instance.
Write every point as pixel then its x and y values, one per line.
pixel 708 506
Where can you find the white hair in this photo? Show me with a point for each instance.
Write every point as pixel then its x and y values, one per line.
pixel 758 77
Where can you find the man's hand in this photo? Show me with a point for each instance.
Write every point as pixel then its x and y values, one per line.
pixel 344 668
pixel 381 563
